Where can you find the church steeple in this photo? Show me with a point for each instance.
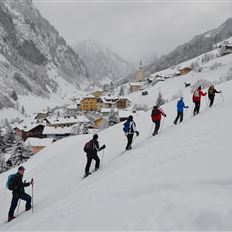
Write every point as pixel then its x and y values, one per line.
pixel 140 75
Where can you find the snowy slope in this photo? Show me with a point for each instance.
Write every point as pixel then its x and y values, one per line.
pixel 179 180
pixel 174 87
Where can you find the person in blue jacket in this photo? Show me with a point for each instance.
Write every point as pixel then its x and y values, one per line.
pixel 180 110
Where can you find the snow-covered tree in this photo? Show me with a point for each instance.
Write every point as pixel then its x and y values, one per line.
pixel 10 135
pixel 23 110
pixel 76 129
pixel 14 95
pixel 3 166
pixel 85 129
pixel 113 117
pixel 143 107
pixel 121 92
pixel 160 100
pixel 20 152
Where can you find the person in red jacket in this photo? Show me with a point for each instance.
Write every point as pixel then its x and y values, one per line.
pixel 197 100
pixel 156 115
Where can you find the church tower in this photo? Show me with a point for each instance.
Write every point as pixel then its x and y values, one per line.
pixel 140 75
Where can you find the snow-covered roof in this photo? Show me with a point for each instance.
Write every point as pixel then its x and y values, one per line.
pixel 72 107
pixel 108 110
pixel 113 99
pixel 27 125
pixel 124 113
pixel 71 120
pixel 57 131
pixel 137 83
pixel 36 142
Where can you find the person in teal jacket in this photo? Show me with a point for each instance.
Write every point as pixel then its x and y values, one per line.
pixel 180 110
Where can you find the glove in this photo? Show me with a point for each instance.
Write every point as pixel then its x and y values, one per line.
pixel 137 133
pixel 103 147
pixel 187 107
pixel 165 115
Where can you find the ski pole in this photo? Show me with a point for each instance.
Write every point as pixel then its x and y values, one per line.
pixel 206 101
pixel 103 153
pixel 134 139
pixel 18 206
pixel 32 195
pixel 162 123
pixel 222 97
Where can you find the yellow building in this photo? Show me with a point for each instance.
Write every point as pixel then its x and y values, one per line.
pixel 88 104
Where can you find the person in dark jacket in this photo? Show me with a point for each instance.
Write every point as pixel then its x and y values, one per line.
pixel 211 95
pixel 130 130
pixel 156 116
pixel 197 100
pixel 92 154
pixel 180 110
pixel 19 192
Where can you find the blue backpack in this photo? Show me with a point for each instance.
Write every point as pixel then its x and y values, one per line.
pixel 126 126
pixel 10 182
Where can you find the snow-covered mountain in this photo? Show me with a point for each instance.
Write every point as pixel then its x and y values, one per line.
pixel 200 44
pixel 34 59
pixel 102 63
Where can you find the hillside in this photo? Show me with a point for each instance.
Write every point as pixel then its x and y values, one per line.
pixel 103 64
pixel 179 180
pixel 35 60
pixel 197 46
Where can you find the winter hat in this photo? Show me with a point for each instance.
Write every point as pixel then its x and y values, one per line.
pixel 21 168
pixel 181 98
pixel 130 118
pixel 199 87
pixel 95 136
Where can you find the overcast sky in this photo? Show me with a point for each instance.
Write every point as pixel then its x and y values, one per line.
pixel 137 28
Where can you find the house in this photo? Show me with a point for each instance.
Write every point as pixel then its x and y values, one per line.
pixel 65 121
pixel 225 49
pixel 97 93
pixel 106 102
pixel 72 110
pixel 38 144
pixel 136 86
pixel 57 133
pixel 123 103
pixel 112 101
pixel 96 119
pixel 88 104
pixel 184 70
pixel 40 117
pixel 30 130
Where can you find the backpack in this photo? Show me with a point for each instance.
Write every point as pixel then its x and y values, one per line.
pixel 210 91
pixel 196 93
pixel 10 182
pixel 126 126
pixel 88 146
